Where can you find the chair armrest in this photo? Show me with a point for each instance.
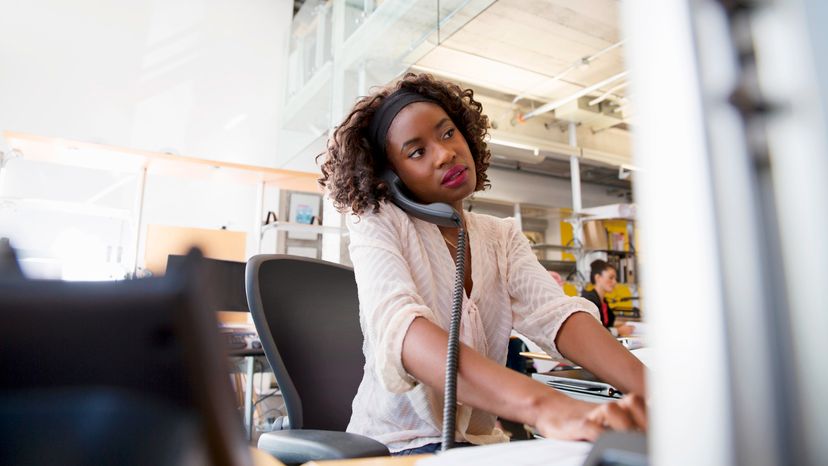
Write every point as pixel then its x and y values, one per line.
pixel 302 445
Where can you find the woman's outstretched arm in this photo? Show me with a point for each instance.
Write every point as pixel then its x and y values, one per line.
pixel 485 384
pixel 583 340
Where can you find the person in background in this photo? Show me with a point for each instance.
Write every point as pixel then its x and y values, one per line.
pixel 557 277
pixel 602 276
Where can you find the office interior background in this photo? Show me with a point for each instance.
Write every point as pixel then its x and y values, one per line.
pixel 683 141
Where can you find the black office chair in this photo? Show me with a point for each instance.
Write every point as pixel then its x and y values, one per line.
pixel 306 312
pixel 114 373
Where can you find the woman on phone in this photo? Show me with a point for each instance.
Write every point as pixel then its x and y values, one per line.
pixel 432 135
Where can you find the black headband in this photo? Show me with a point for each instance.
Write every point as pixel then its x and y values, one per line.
pixel 385 114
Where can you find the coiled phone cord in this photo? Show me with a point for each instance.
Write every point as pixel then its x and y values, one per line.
pixel 450 392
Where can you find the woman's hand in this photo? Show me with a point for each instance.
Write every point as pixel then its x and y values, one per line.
pixel 580 420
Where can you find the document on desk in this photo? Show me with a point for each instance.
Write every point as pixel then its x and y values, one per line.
pixel 547 452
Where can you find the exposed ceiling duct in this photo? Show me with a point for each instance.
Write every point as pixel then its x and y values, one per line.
pixel 608 93
pixel 528 149
pixel 585 61
pixel 508 55
pixel 560 102
pixel 581 110
pixel 561 169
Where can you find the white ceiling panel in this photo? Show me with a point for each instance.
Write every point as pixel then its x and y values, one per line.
pixel 516 46
pixel 486 72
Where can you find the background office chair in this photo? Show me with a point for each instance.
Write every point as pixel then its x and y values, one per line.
pixel 306 312
pixel 126 373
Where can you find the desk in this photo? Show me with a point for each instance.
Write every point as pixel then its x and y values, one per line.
pixel 630 342
pixel 408 460
pixel 261 458
pixel 249 356
pixel 535 355
pixel 541 452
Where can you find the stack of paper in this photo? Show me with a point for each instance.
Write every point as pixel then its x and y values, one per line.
pixel 548 452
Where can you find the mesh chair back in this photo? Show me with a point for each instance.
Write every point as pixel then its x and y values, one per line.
pixel 307 314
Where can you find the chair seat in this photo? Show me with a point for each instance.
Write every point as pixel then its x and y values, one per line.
pixel 303 445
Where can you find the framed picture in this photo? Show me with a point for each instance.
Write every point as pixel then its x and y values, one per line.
pixel 304 208
pixel 536 237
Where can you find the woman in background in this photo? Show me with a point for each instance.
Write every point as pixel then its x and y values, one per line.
pixel 602 276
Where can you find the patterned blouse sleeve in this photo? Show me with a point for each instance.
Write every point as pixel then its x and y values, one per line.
pixel 539 305
pixel 388 297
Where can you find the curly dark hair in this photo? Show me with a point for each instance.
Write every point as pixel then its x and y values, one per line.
pixel 351 171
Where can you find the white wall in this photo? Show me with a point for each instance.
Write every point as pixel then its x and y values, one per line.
pixel 209 203
pixel 68 216
pixel 203 78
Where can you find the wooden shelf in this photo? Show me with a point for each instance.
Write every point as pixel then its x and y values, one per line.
pixel 113 158
pixel 613 252
pixel 303 228
pixel 559 266
pixel 80 208
pixel 557 247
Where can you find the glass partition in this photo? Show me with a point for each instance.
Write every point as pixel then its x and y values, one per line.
pixel 340 49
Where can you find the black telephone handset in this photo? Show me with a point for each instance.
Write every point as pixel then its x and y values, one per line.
pixel 442 215
pixel 438 213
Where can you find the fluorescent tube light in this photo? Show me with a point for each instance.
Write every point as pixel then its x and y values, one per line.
pixel 535 150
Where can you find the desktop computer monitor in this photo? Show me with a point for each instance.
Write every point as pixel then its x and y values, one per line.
pixel 224 281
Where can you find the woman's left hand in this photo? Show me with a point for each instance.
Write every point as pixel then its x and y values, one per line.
pixel 629 413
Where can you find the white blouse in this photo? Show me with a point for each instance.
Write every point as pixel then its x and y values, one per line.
pixel 404 270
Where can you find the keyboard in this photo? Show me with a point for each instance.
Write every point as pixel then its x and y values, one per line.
pixel 236 340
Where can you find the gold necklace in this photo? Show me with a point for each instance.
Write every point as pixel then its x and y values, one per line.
pixel 449 243
pixel 453 245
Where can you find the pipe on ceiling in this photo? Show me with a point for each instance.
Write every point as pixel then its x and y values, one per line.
pixel 605 95
pixel 578 63
pixel 577 95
